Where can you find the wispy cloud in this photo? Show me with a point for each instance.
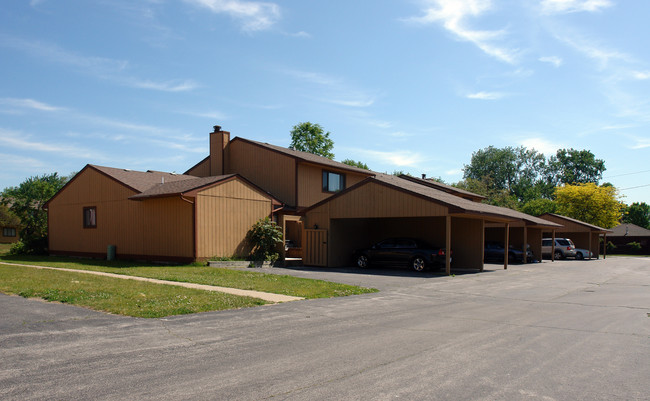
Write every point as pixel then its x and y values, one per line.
pixel 20 140
pixel 572 6
pixel 453 15
pixel 253 15
pixel 100 67
pixel 399 158
pixel 555 60
pixel 486 95
pixel 641 75
pixel 593 50
pixel 541 145
pixel 334 90
pixel 29 104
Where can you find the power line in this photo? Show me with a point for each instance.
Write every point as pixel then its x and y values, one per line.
pixel 640 186
pixel 621 175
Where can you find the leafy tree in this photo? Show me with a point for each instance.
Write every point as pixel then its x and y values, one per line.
pixel 26 202
pixel 7 218
pixel 265 236
pixel 589 203
pixel 570 166
pixel 536 207
pixel 352 163
pixel 484 187
pixel 638 213
pixel 308 137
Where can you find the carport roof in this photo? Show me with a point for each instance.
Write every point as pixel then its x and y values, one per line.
pixel 456 204
pixel 591 227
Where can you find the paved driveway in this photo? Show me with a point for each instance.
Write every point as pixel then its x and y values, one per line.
pixel 566 330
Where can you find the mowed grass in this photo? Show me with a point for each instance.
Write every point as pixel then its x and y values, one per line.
pixel 114 295
pixel 233 278
pixel 4 249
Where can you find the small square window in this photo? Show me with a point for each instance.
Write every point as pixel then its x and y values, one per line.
pixel 90 217
pixel 333 182
pixel 8 232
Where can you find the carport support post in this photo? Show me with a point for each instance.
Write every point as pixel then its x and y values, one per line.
pixel 525 244
pixel 506 247
pixel 605 247
pixel 448 246
pixel 589 256
pixel 553 246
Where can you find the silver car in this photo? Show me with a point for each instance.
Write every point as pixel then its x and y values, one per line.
pixel 564 248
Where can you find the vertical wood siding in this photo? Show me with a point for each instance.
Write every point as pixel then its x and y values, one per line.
pixel 150 228
pixel 310 183
pixel 200 170
pixel 225 213
pixel 269 170
pixel 467 243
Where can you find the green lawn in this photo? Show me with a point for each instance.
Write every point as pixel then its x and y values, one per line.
pixel 234 278
pixel 4 248
pixel 113 295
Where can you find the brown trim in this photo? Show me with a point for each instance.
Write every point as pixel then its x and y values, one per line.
pixel 196 165
pixel 84 217
pixel 195 234
pixel 100 255
pixel 295 176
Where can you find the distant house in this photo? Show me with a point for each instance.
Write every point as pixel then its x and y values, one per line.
pixel 323 207
pixel 9 234
pixel 626 233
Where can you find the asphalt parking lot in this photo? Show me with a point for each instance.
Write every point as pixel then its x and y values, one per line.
pixel 567 330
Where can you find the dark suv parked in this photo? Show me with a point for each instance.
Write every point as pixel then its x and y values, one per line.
pixel 401 251
pixel 494 251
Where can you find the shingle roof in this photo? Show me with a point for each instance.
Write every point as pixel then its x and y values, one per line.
pixel 441 186
pixel 140 181
pixel 576 221
pixel 629 230
pixel 453 201
pixel 306 157
pixel 180 186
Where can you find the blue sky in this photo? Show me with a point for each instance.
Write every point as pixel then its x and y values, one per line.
pixel 401 85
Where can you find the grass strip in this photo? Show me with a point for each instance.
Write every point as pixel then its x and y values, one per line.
pixel 113 295
pixel 233 278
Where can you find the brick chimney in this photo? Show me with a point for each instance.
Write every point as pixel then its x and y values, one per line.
pixel 218 141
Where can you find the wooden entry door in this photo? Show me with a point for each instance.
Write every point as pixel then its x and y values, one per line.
pixel 315 247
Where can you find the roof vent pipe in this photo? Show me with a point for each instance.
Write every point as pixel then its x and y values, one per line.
pixel 217 128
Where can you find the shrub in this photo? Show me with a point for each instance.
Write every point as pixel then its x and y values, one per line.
pixel 265 236
pixel 610 246
pixel 634 246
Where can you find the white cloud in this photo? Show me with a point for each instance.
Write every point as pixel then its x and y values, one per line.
pixel 334 90
pixel 542 145
pixel 572 6
pixel 29 104
pixel 595 51
pixel 452 14
pixel 399 158
pixel 100 67
pixel 486 95
pixel 20 140
pixel 556 61
pixel 254 15
pixel 641 75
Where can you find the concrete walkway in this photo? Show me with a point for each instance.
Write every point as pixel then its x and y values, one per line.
pixel 266 296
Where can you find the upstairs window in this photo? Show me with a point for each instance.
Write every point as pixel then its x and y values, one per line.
pixel 333 182
pixel 8 232
pixel 90 217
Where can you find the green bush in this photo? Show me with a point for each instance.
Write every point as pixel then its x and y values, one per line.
pixel 265 236
pixel 610 246
pixel 634 246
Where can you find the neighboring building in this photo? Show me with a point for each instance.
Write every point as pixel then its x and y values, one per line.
pixel 583 235
pixel 9 234
pixel 325 208
pixel 626 233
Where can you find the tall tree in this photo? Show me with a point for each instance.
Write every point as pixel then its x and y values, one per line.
pixel 570 166
pixel 26 202
pixel 7 218
pixel 590 203
pixel 638 213
pixel 308 137
pixel 353 163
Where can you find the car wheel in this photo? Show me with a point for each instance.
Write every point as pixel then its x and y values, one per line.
pixel 557 255
pixel 418 264
pixel 579 256
pixel 362 261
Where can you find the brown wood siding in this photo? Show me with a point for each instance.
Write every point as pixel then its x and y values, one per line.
pixel 467 243
pixel 269 170
pixel 152 227
pixel 310 183
pixel 374 200
pixel 225 213
pixel 200 170
pixel 534 238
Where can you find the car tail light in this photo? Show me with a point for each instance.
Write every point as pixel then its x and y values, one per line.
pixel 441 252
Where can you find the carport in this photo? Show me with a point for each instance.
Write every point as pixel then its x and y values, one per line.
pixel 583 235
pixel 388 206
